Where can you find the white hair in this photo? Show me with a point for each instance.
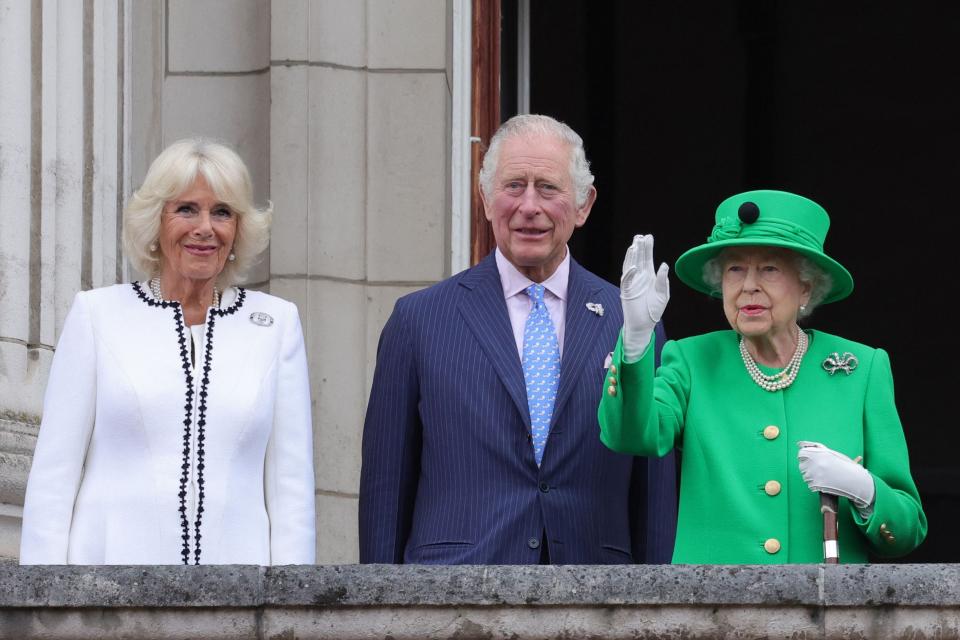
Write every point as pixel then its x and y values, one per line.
pixel 808 273
pixel 532 125
pixel 171 174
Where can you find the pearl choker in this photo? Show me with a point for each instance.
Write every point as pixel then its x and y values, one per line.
pixel 782 379
pixel 158 294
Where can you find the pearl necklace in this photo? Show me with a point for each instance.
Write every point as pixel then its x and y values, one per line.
pixel 158 294
pixel 782 379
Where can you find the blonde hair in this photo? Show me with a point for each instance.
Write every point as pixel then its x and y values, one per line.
pixel 171 174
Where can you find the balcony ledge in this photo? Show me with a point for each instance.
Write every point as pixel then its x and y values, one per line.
pixel 400 602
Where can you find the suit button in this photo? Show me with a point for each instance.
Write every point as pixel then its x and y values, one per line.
pixel 771 546
pixel 771 432
pixel 613 380
pixel 772 487
pixel 613 368
pixel 612 390
pixel 544 487
pixel 533 543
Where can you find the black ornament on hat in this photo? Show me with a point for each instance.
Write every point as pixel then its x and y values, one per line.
pixel 748 212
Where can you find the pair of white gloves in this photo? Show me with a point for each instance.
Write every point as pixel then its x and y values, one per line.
pixel 644 295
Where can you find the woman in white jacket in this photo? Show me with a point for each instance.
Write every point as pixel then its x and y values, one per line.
pixel 176 424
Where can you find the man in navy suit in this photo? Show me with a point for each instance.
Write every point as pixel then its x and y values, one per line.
pixel 475 451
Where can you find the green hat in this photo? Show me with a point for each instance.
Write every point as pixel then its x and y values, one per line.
pixel 768 219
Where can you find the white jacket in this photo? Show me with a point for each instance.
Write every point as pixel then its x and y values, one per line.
pixel 143 459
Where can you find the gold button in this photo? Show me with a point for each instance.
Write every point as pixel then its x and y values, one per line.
pixel 772 487
pixel 891 539
pixel 771 432
pixel 883 528
pixel 612 390
pixel 613 380
pixel 613 368
pixel 771 546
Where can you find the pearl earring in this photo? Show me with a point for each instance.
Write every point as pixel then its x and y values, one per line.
pixel 232 257
pixel 153 247
pixel 803 308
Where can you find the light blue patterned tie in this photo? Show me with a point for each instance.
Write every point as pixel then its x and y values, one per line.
pixel 541 368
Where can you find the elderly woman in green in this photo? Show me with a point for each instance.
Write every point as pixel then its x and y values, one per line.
pixel 766 414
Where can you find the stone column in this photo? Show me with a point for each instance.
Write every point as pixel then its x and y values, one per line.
pixel 359 159
pixel 19 364
pixel 61 161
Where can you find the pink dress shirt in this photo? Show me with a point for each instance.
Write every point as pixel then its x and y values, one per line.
pixel 518 302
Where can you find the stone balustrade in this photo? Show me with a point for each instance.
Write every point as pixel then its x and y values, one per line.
pixel 377 601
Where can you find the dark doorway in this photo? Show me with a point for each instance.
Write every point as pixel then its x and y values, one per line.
pixel 852 104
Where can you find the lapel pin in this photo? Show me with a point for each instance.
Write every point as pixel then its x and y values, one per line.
pixel 596 307
pixel 836 362
pixel 261 319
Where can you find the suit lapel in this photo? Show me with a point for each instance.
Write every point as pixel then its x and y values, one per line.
pixel 582 326
pixel 485 311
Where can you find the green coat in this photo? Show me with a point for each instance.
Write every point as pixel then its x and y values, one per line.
pixel 703 401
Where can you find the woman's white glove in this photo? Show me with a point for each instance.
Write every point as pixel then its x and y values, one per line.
pixel 829 471
pixel 643 295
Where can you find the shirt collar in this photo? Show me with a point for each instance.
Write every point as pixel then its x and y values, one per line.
pixel 514 282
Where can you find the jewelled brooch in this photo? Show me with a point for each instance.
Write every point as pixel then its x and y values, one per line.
pixel 596 307
pixel 836 362
pixel 261 319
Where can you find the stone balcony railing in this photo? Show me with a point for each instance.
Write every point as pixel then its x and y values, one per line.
pixel 400 602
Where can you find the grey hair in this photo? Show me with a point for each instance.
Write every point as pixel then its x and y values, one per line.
pixel 808 273
pixel 172 173
pixel 533 125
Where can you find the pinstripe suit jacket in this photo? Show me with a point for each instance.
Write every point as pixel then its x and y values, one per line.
pixel 448 472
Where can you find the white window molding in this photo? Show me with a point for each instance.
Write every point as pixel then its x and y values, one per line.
pixel 461 166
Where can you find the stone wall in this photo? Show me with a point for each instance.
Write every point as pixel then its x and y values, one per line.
pixel 419 602
pixel 62 173
pixel 18 437
pixel 359 159
pixel 340 108
pixel 214 58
